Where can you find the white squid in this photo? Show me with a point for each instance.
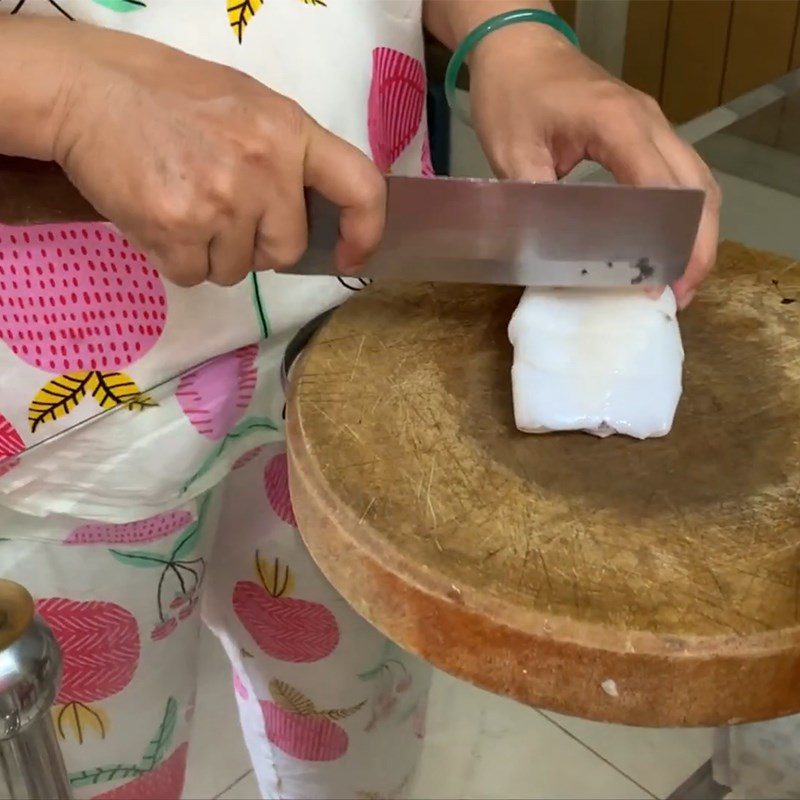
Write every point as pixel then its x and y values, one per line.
pixel 603 362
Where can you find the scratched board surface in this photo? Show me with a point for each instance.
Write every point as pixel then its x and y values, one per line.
pixel 686 548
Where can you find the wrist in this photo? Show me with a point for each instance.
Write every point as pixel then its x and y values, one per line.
pixel 36 74
pixel 524 40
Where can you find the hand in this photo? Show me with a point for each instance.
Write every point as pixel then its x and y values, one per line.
pixel 540 108
pixel 203 167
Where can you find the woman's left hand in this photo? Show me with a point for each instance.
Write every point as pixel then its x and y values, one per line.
pixel 540 107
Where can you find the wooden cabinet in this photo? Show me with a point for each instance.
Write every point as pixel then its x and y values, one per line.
pixel 693 55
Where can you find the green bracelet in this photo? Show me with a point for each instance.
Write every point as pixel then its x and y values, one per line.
pixel 484 29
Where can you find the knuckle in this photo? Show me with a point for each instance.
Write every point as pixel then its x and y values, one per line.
pixel 649 103
pixel 292 114
pixel 371 191
pixel 714 192
pixel 257 147
pixel 173 212
pixel 613 97
pixel 276 126
pixel 184 278
pixel 286 254
pixel 625 111
pixel 221 190
pixel 227 278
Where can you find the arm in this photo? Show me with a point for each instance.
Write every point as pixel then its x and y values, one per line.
pixel 35 71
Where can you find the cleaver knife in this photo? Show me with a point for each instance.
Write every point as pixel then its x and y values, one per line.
pixel 461 230
pixel 518 233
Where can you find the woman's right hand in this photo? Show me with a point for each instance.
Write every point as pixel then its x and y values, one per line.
pixel 201 166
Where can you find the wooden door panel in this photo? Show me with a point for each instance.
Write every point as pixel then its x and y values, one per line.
pixel 694 65
pixel 760 44
pixel 645 44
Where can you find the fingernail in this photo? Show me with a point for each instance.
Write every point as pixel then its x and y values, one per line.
pixel 686 299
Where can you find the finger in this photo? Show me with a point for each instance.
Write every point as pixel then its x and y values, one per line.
pixel 634 159
pixel 631 156
pixel 183 265
pixel 231 252
pixel 692 172
pixel 282 235
pixel 534 162
pixel 349 179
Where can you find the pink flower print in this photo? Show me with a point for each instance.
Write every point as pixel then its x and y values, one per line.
pixel 215 396
pixel 188 575
pixel 188 608
pixel 163 782
pixel 239 687
pixel 163 629
pixel 11 445
pixel 426 165
pixel 276 484
pixel 179 601
pixel 283 627
pixel 77 297
pixel 395 105
pixel 100 647
pixel 382 708
pixel 181 576
pixel 419 719
pixel 154 776
pixel 392 679
pixel 147 530
pixel 188 714
pixel 299 729
pixel 77 301
pixel 247 457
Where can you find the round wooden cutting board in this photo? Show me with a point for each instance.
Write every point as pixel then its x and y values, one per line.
pixel 651 583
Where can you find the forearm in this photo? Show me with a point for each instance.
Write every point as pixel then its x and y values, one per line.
pixel 451 20
pixel 35 69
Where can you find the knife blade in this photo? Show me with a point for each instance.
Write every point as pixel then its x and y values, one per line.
pixel 461 230
pixel 520 234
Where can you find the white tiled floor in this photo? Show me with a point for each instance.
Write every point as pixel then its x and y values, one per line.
pixel 479 746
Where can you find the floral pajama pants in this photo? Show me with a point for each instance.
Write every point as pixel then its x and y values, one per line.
pixel 329 708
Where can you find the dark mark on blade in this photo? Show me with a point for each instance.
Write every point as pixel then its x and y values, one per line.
pixel 646 270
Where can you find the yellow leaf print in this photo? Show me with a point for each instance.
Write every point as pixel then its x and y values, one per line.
pixel 75 719
pixel 112 389
pixel 240 12
pixel 290 699
pixel 58 397
pixel 275 577
pixel 141 402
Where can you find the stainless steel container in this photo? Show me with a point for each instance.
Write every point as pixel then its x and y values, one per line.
pixel 31 765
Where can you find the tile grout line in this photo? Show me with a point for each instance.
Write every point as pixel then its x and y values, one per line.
pixel 599 755
pixel 231 785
